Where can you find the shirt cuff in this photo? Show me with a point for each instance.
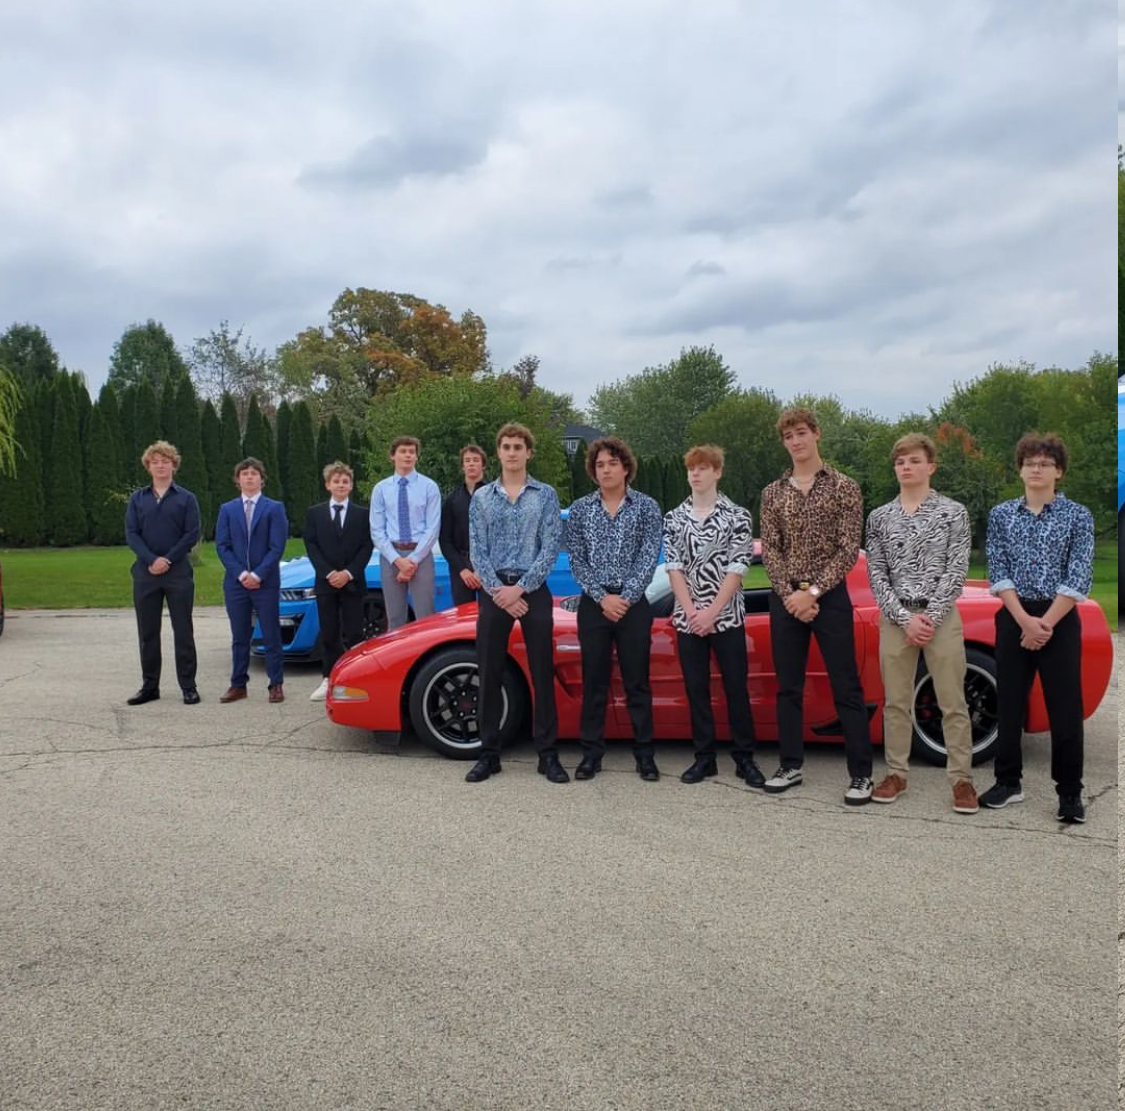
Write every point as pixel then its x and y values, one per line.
pixel 1070 592
pixel 1003 584
pixel 596 593
pixel 673 565
pixel 736 568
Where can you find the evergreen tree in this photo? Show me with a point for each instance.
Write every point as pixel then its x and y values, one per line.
pixel 304 487
pixel 231 447
pixel 322 445
pixel 46 395
pixel 357 458
pixel 254 438
pixel 103 469
pixel 676 487
pixel 169 414
pixel 211 438
pixel 580 483
pixel 84 408
pixel 127 437
pixel 146 425
pixel 27 352
pixel 281 427
pixel 66 521
pixel 277 489
pixel 336 447
pixel 22 504
pixel 193 466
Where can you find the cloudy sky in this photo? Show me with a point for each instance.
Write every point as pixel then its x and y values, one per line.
pixel 870 198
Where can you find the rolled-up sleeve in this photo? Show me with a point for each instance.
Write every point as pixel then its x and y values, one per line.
pixel 741 550
pixel 1078 575
pixel 1000 571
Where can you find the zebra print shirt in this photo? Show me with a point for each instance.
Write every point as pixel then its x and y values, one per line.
pixel 706 552
pixel 924 554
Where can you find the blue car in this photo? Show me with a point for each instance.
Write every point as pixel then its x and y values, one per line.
pixel 300 624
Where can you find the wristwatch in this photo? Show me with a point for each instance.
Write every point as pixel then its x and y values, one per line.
pixel 815 590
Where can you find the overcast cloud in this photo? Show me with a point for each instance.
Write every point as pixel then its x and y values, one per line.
pixel 873 199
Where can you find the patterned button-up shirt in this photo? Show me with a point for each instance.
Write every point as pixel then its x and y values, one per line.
pixel 811 537
pixel 621 550
pixel 522 535
pixel 1041 554
pixel 706 552
pixel 919 555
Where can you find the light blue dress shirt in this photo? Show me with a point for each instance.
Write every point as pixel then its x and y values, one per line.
pixel 424 499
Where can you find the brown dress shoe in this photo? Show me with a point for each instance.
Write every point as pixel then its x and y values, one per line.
pixel 965 797
pixel 233 694
pixel 890 787
pixel 276 693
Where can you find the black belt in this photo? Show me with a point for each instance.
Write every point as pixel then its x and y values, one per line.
pixel 914 603
pixel 510 578
pixel 612 589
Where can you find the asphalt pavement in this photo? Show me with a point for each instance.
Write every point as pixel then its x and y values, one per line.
pixel 247 906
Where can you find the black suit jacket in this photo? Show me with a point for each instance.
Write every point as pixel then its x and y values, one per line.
pixel 330 550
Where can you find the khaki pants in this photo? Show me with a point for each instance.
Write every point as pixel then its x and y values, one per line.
pixel 945 658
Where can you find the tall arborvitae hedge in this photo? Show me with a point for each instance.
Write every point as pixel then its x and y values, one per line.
pixel 580 483
pixel 218 478
pixel 127 438
pixel 146 427
pixel 23 518
pixel 357 458
pixel 103 470
pixel 193 466
pixel 254 437
pixel 66 520
pixel 336 446
pixel 281 430
pixel 676 487
pixel 231 448
pixel 304 487
pixel 321 453
pixel 169 412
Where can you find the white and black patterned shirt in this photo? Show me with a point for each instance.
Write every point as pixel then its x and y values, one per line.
pixel 706 552
pixel 918 556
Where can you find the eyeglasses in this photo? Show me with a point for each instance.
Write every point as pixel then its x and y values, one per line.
pixel 1040 465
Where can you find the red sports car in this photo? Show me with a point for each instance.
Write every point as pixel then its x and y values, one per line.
pixel 425 675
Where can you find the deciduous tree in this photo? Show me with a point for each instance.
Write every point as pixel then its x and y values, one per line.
pixel 145 352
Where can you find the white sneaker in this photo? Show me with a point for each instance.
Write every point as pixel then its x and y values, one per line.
pixel 782 780
pixel 321 692
pixel 859 791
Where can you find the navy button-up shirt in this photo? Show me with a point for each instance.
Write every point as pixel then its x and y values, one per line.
pixel 167 527
pixel 522 535
pixel 621 550
pixel 1041 554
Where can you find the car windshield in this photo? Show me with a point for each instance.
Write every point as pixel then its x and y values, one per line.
pixel 660 587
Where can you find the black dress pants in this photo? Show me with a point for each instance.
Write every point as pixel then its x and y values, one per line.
pixel 150 592
pixel 494 625
pixel 461 593
pixel 1059 666
pixel 633 636
pixel 341 625
pixel 729 647
pixel 834 629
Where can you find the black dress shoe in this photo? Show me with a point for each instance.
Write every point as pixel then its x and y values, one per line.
pixel 647 769
pixel 552 769
pixel 191 697
pixel 141 697
pixel 703 767
pixel 483 768
pixel 589 767
pixel 745 768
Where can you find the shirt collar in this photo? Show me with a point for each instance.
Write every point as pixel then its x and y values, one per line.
pixel 253 500
pixel 1058 499
pixel 410 478
pixel 344 503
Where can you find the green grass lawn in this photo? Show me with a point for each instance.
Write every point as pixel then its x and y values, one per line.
pixel 80 578
pixel 96 578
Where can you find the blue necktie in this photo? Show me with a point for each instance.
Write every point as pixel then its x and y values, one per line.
pixel 403 513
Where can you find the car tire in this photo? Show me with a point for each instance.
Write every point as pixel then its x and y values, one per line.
pixel 980 694
pixel 374 614
pixel 443 703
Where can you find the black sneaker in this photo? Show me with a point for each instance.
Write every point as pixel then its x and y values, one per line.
pixel 1071 809
pixel 1000 794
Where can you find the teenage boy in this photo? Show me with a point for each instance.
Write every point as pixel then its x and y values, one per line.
pixel 454 533
pixel 162 526
pixel 812 520
pixel 250 537
pixel 917 559
pixel 613 536
pixel 1040 563
pixel 708 545
pixel 405 514
pixel 337 538
pixel 515 533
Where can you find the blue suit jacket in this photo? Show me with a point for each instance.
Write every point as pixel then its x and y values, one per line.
pixel 268 533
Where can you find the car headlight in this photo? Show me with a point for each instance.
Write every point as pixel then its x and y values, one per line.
pixel 304 594
pixel 341 693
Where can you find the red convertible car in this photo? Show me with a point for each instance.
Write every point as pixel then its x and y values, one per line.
pixel 425 675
